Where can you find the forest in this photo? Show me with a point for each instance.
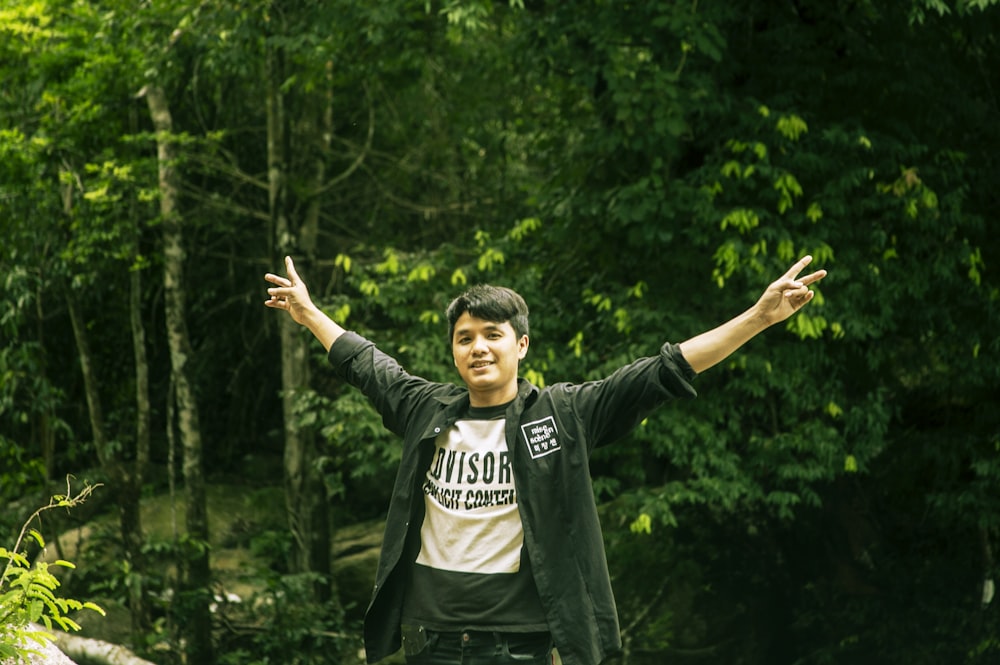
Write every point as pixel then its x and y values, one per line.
pixel 639 171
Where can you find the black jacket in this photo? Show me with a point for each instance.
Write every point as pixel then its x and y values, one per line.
pixel 550 435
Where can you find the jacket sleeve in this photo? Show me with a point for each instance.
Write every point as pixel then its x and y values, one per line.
pixel 392 391
pixel 611 407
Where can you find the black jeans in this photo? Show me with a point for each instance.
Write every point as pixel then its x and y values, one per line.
pixel 428 647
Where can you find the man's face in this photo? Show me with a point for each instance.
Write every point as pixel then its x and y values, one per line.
pixel 487 354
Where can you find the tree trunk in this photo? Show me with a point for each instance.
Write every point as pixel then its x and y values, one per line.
pixel 305 494
pixel 45 432
pixel 131 516
pixel 196 594
pixel 320 133
pixel 90 388
pixel 79 325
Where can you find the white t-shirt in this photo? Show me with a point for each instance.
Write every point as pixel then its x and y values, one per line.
pixel 472 570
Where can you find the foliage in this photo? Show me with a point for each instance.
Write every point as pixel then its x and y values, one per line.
pixel 28 593
pixel 286 627
pixel 639 171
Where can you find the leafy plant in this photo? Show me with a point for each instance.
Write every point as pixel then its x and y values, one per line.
pixel 284 624
pixel 28 593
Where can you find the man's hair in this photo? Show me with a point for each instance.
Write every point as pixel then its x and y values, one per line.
pixel 490 303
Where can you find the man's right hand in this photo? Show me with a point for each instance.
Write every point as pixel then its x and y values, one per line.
pixel 291 295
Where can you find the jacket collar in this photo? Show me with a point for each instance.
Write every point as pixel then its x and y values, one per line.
pixel 526 391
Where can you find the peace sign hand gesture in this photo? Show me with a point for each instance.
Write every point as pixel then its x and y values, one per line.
pixel 787 295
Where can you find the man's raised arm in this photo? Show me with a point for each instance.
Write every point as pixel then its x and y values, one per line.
pixel 780 300
pixel 290 294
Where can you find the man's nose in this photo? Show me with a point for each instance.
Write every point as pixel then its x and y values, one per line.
pixel 479 345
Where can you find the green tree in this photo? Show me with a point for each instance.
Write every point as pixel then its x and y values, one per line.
pixel 638 171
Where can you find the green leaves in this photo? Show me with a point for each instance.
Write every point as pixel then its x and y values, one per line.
pixel 28 592
pixel 640 173
pixel 791 126
pixel 741 219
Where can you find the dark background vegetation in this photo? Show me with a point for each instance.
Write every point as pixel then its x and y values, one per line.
pixel 639 171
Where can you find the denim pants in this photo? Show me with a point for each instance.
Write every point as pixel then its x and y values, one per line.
pixel 427 647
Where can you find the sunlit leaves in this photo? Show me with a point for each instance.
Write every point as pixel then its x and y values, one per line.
pixel 814 212
pixel 534 376
pixel 599 301
pixel 642 524
pixel 343 261
pixel 27 21
pixel 422 272
pixel 915 195
pixel 37 537
pixel 489 259
pixel 741 219
pixel 638 290
pixel 576 344
pixel 468 15
pixel 807 325
pixel 28 591
pixel 524 228
pixel 370 288
pixel 924 10
pixel 788 189
pixel 976 265
pixel 791 127
pixel 341 313
pixel 391 263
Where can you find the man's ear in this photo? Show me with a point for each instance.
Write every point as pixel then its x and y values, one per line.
pixel 522 349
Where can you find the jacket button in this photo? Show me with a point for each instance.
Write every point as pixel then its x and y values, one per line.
pixel 437 430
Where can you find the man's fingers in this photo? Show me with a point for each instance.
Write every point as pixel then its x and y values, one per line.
pixel 798 267
pixel 282 290
pixel 290 269
pixel 814 277
pixel 789 281
pixel 277 279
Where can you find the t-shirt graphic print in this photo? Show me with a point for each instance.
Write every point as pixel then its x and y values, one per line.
pixel 471 523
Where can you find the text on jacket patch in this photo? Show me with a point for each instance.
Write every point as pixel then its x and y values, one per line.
pixel 541 437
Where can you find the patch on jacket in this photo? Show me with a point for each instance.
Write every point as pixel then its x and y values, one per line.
pixel 541 436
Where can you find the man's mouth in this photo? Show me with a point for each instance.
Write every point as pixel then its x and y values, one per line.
pixel 481 363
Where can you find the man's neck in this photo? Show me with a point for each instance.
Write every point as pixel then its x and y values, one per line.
pixel 479 399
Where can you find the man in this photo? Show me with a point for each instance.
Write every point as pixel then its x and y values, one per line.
pixel 492 551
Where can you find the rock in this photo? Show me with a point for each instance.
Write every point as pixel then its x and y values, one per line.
pixel 47 653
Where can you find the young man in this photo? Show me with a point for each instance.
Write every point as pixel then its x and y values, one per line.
pixel 492 551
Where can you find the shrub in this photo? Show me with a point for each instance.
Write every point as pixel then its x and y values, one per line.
pixel 28 593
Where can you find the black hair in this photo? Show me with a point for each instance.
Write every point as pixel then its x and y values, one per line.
pixel 490 303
